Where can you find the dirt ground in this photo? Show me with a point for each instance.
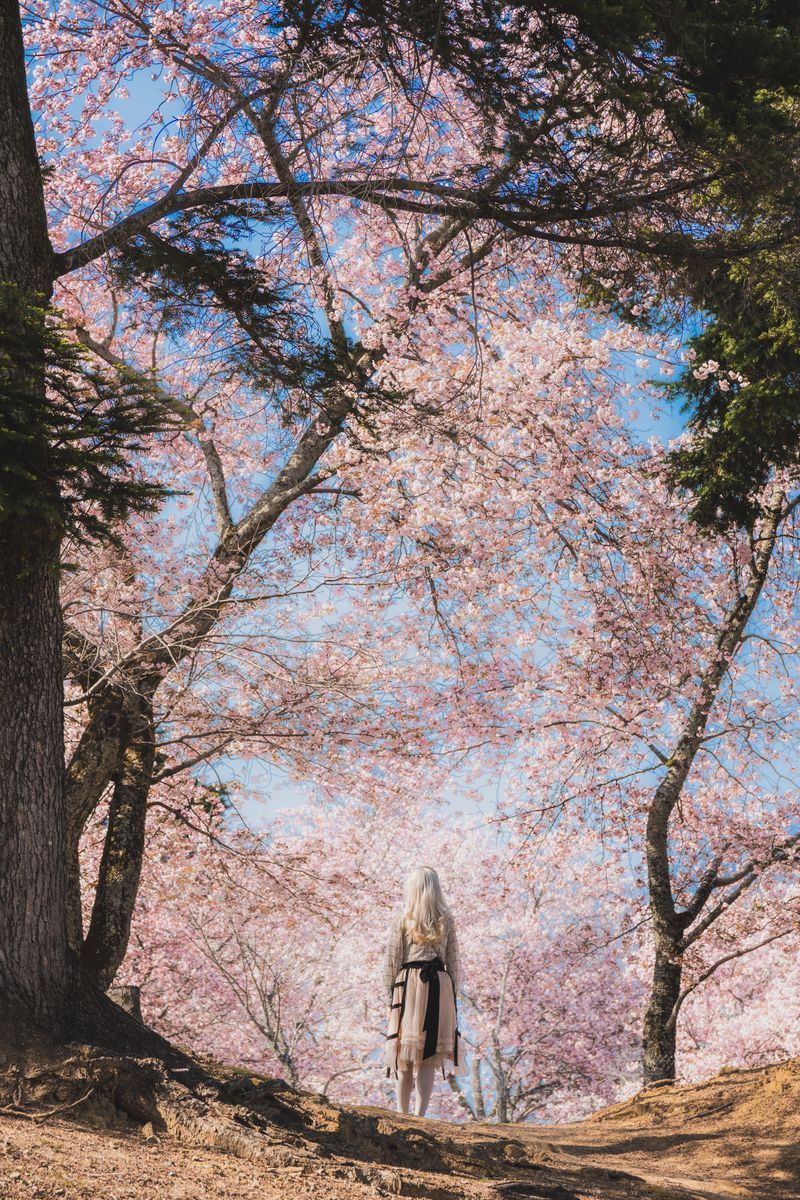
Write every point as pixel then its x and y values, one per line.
pixel 734 1136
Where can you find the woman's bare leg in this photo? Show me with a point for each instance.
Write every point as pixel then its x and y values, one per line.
pixel 426 1073
pixel 405 1080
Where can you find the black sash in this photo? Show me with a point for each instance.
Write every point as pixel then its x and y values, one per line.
pixel 429 969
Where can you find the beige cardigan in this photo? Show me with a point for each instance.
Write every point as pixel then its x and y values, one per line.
pixel 400 949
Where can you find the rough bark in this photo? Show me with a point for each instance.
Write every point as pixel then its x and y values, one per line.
pixel 35 964
pixel 659 1026
pixel 123 850
pixel 25 252
pixel 34 959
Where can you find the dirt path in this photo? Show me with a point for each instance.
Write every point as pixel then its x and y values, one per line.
pixel 735 1136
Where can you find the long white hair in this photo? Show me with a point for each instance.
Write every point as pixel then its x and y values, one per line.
pixel 424 908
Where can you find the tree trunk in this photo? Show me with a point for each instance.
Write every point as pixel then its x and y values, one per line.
pixel 36 972
pixel 93 766
pixel 660 1026
pixel 123 851
pixel 501 1087
pixel 477 1089
pixel 669 925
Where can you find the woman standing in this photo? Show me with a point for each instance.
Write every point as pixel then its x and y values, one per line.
pixel 421 976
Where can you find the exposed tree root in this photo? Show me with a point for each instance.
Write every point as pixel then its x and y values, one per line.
pixel 169 1093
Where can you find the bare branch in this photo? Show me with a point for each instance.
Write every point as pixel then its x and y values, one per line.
pixel 216 473
pixel 720 963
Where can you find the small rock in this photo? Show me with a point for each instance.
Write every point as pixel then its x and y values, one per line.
pixel 129 997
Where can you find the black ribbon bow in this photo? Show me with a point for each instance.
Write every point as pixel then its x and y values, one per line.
pixel 429 974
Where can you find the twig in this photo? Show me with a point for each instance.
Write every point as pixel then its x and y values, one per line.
pixel 12 1110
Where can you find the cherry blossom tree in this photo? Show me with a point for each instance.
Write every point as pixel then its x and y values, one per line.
pixel 266 952
pixel 380 692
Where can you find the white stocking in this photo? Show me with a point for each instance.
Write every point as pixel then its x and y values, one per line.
pixel 426 1073
pixel 405 1078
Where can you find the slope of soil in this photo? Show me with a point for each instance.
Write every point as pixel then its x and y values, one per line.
pixel 738 1134
pixel 234 1137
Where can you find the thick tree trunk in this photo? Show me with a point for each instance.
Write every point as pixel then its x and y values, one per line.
pixel 659 1035
pixel 659 1024
pixel 35 964
pixel 123 851
pixel 35 975
pixel 25 253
